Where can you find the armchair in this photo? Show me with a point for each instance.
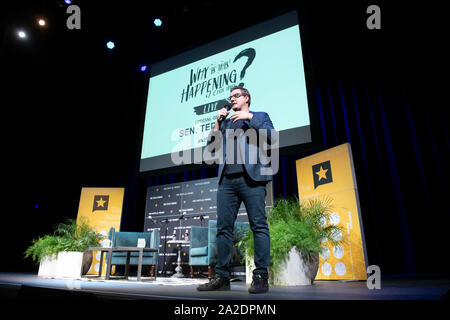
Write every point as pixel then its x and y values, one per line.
pixel 129 239
pixel 203 251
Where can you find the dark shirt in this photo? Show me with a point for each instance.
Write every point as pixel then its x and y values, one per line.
pixel 235 168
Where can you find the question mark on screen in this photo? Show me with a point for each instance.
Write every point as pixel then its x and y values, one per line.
pixel 250 53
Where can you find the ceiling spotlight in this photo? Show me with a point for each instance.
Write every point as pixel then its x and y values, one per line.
pixel 157 22
pixel 110 45
pixel 21 34
pixel 68 1
pixel 143 68
pixel 41 22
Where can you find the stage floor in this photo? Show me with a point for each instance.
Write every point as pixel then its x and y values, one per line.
pixel 29 286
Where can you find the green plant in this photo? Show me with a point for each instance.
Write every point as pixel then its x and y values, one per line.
pixel 295 224
pixel 41 247
pixel 75 236
pixel 68 236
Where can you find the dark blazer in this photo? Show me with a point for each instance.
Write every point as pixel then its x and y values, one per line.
pixel 256 162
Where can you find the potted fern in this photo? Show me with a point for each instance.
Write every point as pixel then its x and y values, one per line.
pixel 44 251
pixel 297 231
pixel 64 254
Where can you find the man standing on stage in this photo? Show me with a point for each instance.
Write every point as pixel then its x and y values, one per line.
pixel 242 177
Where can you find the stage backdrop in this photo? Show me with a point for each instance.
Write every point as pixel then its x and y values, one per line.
pixel 102 209
pixel 175 208
pixel 331 174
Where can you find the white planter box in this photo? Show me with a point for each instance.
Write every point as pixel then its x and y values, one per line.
pixel 47 266
pixel 249 266
pixel 69 265
pixel 294 271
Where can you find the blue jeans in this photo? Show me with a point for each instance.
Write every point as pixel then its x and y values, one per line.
pixel 231 192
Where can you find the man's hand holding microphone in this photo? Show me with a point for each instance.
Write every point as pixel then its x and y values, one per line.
pixel 222 115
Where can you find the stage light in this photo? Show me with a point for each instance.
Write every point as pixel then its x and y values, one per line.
pixel 157 22
pixel 110 45
pixel 21 34
pixel 143 68
pixel 68 1
pixel 41 22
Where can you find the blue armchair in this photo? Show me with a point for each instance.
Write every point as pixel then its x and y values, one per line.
pixel 129 239
pixel 203 251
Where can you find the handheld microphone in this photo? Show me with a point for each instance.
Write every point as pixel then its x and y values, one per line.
pixel 228 107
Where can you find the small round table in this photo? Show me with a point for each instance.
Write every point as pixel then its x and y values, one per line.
pixel 178 269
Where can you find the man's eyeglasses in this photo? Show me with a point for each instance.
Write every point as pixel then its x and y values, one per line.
pixel 236 95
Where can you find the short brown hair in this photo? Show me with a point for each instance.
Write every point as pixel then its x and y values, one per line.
pixel 244 92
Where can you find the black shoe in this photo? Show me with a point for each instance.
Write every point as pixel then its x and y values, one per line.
pixel 259 285
pixel 215 284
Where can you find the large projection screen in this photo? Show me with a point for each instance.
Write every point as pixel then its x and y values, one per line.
pixel 186 91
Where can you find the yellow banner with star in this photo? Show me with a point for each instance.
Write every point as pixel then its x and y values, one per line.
pixel 102 209
pixel 331 174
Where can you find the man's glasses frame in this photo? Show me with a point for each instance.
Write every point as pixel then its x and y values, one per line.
pixel 236 95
